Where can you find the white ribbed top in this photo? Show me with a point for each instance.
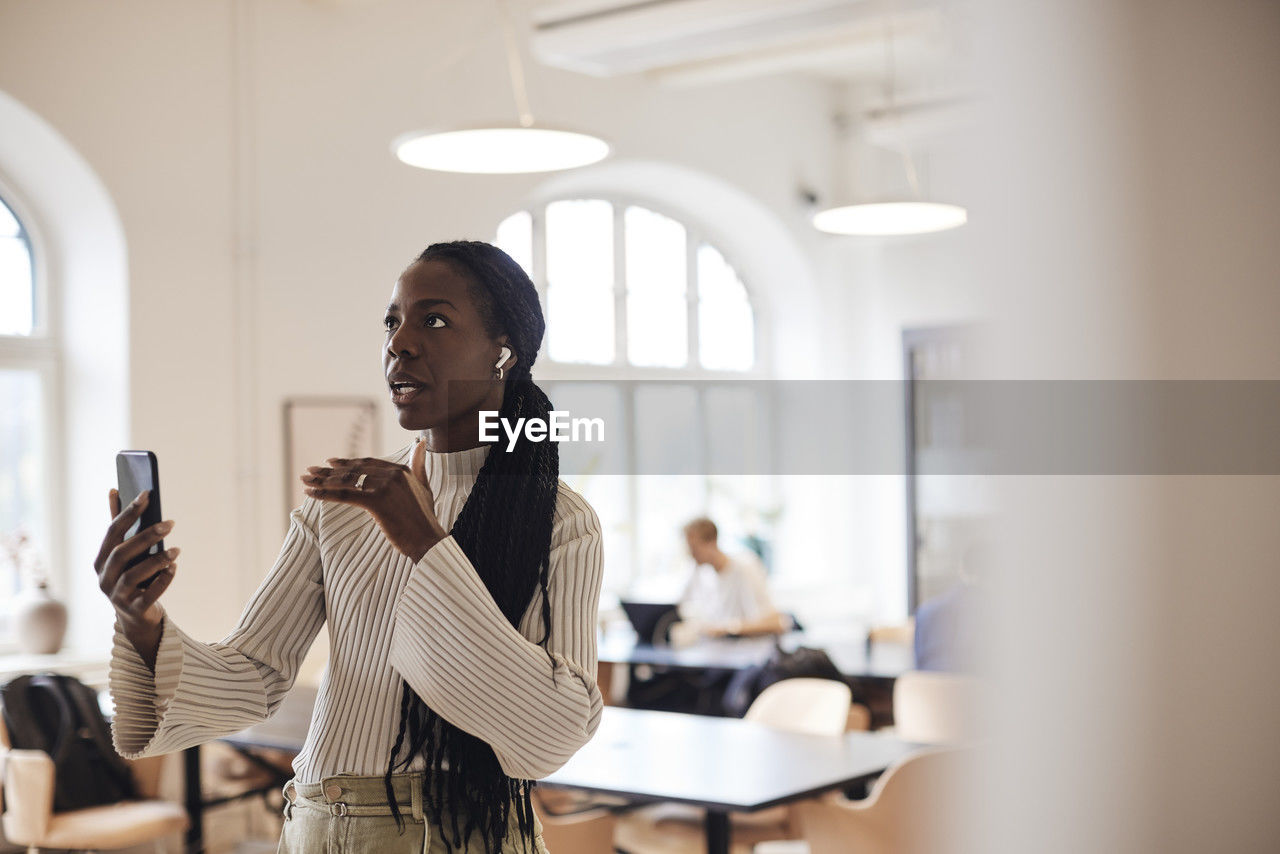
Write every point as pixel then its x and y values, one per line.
pixel 432 624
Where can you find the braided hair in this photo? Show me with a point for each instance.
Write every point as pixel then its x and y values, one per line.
pixel 505 531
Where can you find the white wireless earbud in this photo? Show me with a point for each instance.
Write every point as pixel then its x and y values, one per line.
pixel 506 354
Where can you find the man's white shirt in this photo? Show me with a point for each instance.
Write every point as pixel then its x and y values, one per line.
pixel 738 593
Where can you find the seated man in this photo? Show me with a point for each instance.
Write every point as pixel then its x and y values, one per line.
pixel 726 595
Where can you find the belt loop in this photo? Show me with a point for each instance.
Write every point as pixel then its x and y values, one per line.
pixel 415 797
pixel 288 791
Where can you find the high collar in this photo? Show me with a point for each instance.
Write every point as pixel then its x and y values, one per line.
pixel 447 468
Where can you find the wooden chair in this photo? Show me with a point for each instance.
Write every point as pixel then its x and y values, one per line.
pixel 587 832
pixel 935 708
pixel 859 718
pixel 26 801
pixel 810 706
pixel 813 706
pixel 905 813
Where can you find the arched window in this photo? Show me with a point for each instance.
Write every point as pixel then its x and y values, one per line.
pixel 28 368
pixel 633 294
pixel 17 280
pixel 624 285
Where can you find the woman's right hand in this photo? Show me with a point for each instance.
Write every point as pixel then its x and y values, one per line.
pixel 135 605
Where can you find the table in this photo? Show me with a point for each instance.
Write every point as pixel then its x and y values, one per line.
pixel 720 764
pixel 849 653
pixel 285 730
pixel 870 670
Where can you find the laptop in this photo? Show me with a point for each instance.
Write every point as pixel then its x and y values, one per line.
pixel 651 620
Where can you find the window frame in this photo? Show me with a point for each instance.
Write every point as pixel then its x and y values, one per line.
pixel 693 375
pixel 41 352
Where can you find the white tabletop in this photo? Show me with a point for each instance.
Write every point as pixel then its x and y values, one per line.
pixel 719 763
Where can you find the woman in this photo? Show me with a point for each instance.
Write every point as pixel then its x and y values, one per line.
pixel 460 582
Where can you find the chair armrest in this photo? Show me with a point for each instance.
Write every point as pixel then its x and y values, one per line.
pixel 28 788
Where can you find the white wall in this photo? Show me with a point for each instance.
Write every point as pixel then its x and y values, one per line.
pixel 246 146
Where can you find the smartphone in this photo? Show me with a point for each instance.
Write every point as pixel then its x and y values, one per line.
pixel 137 471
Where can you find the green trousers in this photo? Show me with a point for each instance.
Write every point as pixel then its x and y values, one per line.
pixel 347 814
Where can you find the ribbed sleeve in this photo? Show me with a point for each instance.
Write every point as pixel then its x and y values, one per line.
pixel 454 647
pixel 201 691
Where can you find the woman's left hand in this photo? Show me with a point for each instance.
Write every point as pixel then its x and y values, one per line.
pixel 398 497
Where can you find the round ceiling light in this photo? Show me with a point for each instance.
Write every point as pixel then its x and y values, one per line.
pixel 499 150
pixel 881 219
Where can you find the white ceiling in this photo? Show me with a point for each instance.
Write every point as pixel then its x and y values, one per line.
pixel 689 42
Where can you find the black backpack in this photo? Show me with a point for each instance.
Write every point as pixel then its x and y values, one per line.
pixel 60 715
pixel 747 684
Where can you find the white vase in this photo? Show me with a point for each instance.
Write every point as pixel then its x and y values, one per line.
pixel 41 621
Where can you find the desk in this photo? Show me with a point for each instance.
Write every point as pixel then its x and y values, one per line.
pixel 869 672
pixel 285 730
pixel 848 653
pixel 720 764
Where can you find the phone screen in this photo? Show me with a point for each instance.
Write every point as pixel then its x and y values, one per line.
pixel 137 471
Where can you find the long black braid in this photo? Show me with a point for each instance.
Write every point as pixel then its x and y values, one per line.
pixel 505 530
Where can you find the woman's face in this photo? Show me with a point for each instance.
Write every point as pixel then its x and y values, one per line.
pixel 434 336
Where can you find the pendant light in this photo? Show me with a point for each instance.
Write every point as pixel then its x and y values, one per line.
pixel 884 217
pixel 502 149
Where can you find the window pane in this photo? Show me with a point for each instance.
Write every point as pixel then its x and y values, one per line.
pixel 657 331
pixel 667 430
pixel 657 274
pixel 597 470
pixel 746 511
pixel 22 469
pixel 726 334
pixel 580 281
pixel 664 504
pixel 579 326
pixel 737 418
pixel 655 253
pixel 580 244
pixel 742 505
pixel 600 400
pixel 17 288
pixel 609 496
pixel 670 486
pixel 515 237
pixel 8 222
